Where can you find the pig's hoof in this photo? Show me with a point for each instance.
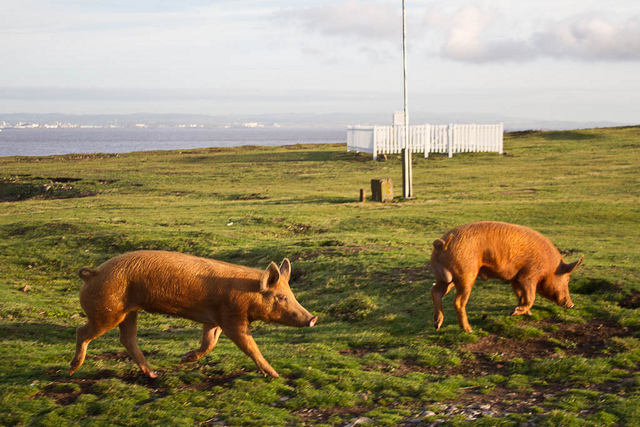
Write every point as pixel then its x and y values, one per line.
pixel 73 368
pixel 520 311
pixel 269 373
pixel 190 357
pixel 152 375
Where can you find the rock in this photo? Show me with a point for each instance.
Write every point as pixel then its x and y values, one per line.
pixel 25 288
pixel 428 414
pixel 361 420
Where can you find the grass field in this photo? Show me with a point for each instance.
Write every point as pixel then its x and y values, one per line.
pixel 362 267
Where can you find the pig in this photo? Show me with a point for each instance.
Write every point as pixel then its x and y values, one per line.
pixel 497 250
pixel 223 297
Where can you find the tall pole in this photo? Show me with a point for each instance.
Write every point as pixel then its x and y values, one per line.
pixel 407 174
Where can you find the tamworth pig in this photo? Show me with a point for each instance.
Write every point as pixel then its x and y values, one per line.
pixel 224 297
pixel 509 252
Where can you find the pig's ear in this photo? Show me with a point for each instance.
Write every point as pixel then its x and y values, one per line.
pixel 285 269
pixel 270 277
pixel 568 268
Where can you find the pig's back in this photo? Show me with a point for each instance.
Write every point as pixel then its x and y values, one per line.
pixel 167 281
pixel 501 247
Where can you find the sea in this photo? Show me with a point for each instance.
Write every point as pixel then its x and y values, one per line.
pixel 47 142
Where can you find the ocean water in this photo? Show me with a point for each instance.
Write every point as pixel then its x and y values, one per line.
pixel 46 142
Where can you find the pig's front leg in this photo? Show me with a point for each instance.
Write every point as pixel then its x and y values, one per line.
pixel 210 335
pixel 525 291
pixel 240 335
pixel 439 290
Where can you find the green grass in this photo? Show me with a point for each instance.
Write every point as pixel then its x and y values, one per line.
pixel 362 267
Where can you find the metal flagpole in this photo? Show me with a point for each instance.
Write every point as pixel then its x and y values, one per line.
pixel 407 174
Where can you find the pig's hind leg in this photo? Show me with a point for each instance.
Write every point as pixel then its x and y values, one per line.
pixel 464 284
pixel 210 335
pixel 87 333
pixel 128 338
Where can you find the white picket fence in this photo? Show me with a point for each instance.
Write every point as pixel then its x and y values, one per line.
pixel 450 139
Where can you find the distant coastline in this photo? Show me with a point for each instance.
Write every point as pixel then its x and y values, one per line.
pixel 278 120
pixel 59 141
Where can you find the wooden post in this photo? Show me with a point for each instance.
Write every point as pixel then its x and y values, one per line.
pixel 362 195
pixel 450 139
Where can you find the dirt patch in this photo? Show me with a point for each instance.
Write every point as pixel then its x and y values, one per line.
pixel 589 340
pixel 316 416
pixel 63 179
pixel 502 401
pixel 65 391
pixel 492 353
pixel 575 339
pixel 631 301
pixel 18 188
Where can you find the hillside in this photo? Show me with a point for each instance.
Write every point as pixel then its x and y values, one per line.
pixel 361 267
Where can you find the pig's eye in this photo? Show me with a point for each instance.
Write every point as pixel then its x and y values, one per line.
pixel 281 298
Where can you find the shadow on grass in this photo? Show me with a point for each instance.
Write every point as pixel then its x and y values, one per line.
pixel 593 285
pixel 40 332
pixel 263 200
pixel 570 135
pixel 265 156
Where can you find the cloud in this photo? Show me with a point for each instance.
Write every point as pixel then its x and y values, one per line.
pixel 356 19
pixel 472 33
pixel 466 38
pixel 591 39
pixel 469 37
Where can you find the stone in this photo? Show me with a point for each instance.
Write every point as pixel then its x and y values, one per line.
pixel 382 190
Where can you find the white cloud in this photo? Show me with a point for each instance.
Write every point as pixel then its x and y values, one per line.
pixel 470 37
pixel 370 20
pixel 466 37
pixel 591 38
pixel 473 33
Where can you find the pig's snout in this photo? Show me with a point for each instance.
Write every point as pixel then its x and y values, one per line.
pixel 313 321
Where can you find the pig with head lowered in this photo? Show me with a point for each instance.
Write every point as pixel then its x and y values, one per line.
pixel 497 250
pixel 223 297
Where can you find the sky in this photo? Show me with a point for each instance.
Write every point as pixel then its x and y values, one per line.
pixel 572 60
